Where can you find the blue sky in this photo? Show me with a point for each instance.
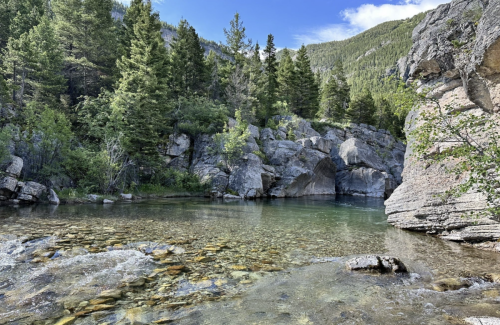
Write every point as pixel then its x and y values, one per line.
pixel 292 22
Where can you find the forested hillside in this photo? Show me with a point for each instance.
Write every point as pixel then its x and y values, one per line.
pixel 368 57
pixel 91 91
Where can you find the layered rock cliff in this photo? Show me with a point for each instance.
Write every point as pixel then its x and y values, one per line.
pixel 456 53
pixel 296 160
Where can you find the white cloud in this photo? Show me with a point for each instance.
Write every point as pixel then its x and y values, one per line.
pixel 366 16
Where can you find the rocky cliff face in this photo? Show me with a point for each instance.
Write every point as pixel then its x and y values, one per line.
pixel 456 52
pixel 296 160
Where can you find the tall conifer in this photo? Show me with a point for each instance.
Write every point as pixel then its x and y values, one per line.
pixel 140 100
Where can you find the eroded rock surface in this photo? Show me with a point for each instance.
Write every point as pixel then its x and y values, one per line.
pixel 376 264
pixel 456 55
pixel 295 160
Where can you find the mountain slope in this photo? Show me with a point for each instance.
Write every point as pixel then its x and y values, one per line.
pixel 368 57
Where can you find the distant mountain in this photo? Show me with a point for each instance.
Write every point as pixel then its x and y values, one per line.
pixel 368 57
pixel 169 32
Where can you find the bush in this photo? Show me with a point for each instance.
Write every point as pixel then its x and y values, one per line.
pixel 175 179
pixel 199 116
pixel 46 142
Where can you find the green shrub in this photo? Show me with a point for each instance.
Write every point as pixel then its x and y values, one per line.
pixel 175 179
pixel 199 116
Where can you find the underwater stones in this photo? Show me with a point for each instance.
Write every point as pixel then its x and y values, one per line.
pixel 493 277
pixel 113 293
pixel 376 264
pixel 451 284
pixel 204 259
pixel 482 321
pixel 66 320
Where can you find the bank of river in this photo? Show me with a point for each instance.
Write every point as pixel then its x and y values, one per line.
pixel 200 261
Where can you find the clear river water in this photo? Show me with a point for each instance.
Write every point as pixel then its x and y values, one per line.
pixel 201 261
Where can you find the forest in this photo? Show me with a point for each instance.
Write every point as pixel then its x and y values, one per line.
pixel 88 88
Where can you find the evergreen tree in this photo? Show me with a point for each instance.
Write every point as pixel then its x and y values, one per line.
pixel 307 99
pixel 362 109
pixel 214 83
pixel 46 81
pixel 86 33
pixel 139 103
pixel 335 96
pixel 239 96
pixel 287 79
pixel 189 74
pixel 256 78
pixel 271 86
pixel 236 40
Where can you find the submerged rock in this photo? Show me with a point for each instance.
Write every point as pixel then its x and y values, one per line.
pixel 376 264
pixel 451 284
pixel 482 321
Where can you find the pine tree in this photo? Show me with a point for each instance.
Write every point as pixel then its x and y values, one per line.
pixel 335 96
pixel 34 62
pixel 86 32
pixel 271 86
pixel 236 40
pixel 214 83
pixel 287 79
pixel 307 99
pixel 46 80
pixel 189 73
pixel 239 96
pixel 139 103
pixel 362 109
pixel 256 77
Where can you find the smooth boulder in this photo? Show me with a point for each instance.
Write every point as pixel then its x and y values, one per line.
pixel 376 264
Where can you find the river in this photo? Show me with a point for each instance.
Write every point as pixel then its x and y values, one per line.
pixel 201 261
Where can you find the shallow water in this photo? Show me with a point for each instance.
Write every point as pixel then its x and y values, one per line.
pixel 308 237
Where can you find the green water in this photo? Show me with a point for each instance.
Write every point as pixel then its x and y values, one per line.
pixel 292 234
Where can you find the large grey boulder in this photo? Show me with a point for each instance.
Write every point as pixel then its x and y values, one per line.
pixel 377 264
pixel 177 152
pixel 246 177
pixel 53 198
pixel 8 186
pixel 362 182
pixel 303 172
pixel 31 192
pixel 14 167
pixel 355 152
pixel 178 145
pixel 209 167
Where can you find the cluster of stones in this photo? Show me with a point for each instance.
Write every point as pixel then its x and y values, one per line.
pixel 225 263
pixel 15 192
pixel 295 160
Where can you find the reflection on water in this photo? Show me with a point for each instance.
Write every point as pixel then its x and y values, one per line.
pixel 100 246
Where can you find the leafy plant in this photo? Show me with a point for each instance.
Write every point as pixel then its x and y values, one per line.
pixel 466 143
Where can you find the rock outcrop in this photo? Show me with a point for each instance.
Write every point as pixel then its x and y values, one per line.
pixel 376 264
pixel 14 191
pixel 456 53
pixel 296 160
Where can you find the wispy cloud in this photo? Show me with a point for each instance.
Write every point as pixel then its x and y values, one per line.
pixel 364 17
